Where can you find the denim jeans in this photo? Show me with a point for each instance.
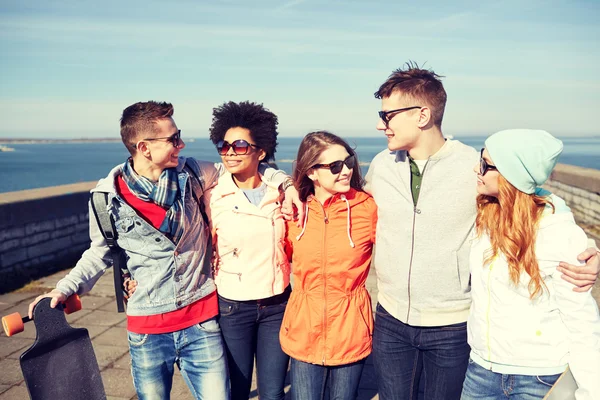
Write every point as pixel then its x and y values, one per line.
pixel 198 352
pixel 251 330
pixel 481 383
pixel 404 354
pixel 310 381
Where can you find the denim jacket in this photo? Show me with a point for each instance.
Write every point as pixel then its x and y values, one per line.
pixel 169 276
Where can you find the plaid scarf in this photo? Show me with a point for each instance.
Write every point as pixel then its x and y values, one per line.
pixel 164 193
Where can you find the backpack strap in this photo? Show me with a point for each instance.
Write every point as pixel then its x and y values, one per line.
pixel 207 265
pixel 106 223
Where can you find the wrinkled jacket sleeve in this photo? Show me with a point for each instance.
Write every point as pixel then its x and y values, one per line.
pixel 579 312
pixel 92 264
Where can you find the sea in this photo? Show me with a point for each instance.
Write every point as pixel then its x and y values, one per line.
pixel 39 165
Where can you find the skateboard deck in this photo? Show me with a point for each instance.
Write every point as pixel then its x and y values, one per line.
pixel 61 363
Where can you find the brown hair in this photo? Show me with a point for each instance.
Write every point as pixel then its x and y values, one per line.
pixel 311 148
pixel 420 85
pixel 511 221
pixel 141 117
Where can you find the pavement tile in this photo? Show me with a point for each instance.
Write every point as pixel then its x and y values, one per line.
pixel 14 298
pixel 11 372
pixel 76 316
pixel 13 344
pixel 118 384
pixel 116 398
pixel 107 355
pixel 15 393
pixel 102 318
pixel 180 390
pixel 4 388
pixel 123 363
pixel 92 302
pixel 112 336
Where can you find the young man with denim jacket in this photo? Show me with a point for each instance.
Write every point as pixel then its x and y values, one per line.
pixel 171 318
pixel 425 191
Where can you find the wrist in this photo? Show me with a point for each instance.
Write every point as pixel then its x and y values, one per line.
pixel 287 184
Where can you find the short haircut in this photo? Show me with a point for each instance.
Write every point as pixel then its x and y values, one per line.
pixel 260 122
pixel 141 118
pixel 422 85
pixel 309 152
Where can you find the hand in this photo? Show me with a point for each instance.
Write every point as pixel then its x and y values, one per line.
pixel 56 295
pixel 129 286
pixel 583 277
pixel 291 200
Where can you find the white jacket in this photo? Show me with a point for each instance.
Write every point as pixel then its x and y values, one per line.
pixel 511 334
pixel 250 261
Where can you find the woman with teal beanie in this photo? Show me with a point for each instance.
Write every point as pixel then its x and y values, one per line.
pixel 526 324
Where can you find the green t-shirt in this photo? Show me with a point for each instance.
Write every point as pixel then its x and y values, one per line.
pixel 416 177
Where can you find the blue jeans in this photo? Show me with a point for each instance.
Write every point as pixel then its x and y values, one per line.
pixel 249 330
pixel 481 383
pixel 310 381
pixel 403 354
pixel 198 352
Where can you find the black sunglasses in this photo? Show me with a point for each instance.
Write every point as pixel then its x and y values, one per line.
pixel 175 138
pixel 240 147
pixel 384 114
pixel 336 166
pixel 484 166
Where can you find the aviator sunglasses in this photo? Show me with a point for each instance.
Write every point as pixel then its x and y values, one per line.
pixel 175 138
pixel 336 166
pixel 484 166
pixel 240 147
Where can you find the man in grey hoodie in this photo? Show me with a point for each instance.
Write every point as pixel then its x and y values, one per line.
pixel 425 191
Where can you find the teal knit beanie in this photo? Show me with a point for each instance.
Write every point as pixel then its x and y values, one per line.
pixel 524 157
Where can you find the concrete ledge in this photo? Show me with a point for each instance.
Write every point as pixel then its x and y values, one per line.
pixel 582 178
pixel 35 194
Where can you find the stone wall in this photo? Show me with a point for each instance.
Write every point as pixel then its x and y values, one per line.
pixel 41 231
pixel 580 188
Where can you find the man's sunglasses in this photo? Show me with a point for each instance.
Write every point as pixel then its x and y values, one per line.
pixel 240 147
pixel 384 114
pixel 484 166
pixel 336 166
pixel 175 138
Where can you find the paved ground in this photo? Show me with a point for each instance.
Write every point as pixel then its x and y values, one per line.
pixel 107 329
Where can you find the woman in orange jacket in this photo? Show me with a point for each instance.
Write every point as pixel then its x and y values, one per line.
pixel 328 322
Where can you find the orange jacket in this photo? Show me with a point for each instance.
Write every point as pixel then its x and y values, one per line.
pixel 328 319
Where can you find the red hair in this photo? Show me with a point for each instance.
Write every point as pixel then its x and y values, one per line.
pixel 511 220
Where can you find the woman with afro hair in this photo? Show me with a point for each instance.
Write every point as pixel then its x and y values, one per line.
pixel 251 269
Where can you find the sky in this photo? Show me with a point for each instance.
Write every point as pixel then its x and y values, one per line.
pixel 70 67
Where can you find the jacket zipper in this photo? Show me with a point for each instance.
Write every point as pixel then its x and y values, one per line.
pixel 487 314
pixel 416 211
pixel 235 254
pixel 325 221
pixel 274 256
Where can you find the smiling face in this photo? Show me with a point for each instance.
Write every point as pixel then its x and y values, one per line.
pixel 487 184
pixel 242 166
pixel 161 151
pixel 402 130
pixel 325 182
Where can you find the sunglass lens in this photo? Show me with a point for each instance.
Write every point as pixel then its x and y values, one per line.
pixel 240 146
pixel 336 167
pixel 222 147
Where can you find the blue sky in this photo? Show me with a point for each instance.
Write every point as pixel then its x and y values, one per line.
pixel 70 67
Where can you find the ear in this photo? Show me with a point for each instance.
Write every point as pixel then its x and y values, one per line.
pixel 424 117
pixel 143 148
pixel 261 155
pixel 312 174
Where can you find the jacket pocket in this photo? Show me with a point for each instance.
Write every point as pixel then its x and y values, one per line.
pixel 460 259
pixel 129 237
